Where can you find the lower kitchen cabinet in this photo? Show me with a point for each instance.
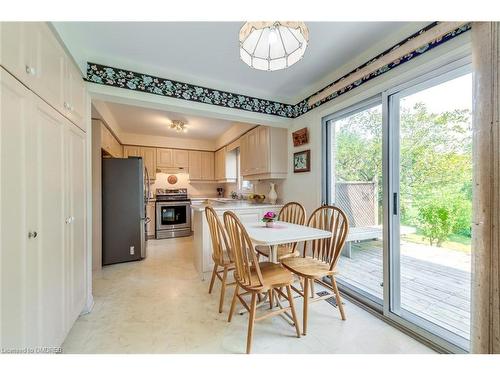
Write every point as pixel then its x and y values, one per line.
pixel 151 225
pixel 43 220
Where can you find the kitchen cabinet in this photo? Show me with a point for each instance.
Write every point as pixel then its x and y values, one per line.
pixel 194 165
pixel 225 165
pixel 151 214
pixel 207 166
pixel 263 153
pixel 170 158
pixel 131 151
pixel 109 143
pixel 181 159
pixel 31 52
pixel 164 157
pixel 43 222
pixel 201 166
pixel 148 155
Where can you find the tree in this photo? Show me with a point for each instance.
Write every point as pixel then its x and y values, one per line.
pixel 435 164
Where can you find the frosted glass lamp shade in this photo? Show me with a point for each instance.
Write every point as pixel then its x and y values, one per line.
pixel 273 45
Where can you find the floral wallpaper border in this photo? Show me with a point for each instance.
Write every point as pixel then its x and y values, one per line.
pixel 126 79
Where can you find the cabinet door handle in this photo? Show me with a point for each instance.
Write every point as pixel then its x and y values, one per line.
pixel 30 70
pixel 32 234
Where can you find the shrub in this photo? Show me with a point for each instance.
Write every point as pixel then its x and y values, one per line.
pixel 436 220
pixel 442 215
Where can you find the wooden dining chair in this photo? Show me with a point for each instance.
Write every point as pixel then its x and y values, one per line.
pixel 255 278
pixel 293 213
pixel 221 254
pixel 320 257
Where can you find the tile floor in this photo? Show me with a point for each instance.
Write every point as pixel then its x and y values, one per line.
pixel 160 305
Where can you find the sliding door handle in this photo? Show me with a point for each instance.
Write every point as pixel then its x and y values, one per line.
pixel 395 204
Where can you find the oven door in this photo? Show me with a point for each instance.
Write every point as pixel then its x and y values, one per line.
pixel 173 215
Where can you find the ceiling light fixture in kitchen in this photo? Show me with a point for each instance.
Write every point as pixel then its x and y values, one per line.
pixel 273 45
pixel 179 126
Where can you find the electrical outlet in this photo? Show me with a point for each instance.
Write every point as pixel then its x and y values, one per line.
pixel 132 250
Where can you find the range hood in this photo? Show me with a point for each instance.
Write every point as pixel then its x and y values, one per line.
pixel 171 170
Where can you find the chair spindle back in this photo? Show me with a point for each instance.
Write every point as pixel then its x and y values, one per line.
pixel 245 258
pixel 332 219
pixel 218 236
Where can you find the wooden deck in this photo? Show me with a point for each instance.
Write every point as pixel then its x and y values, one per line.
pixel 435 291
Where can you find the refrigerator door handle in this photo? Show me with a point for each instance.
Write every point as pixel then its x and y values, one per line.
pixel 148 186
pixel 143 238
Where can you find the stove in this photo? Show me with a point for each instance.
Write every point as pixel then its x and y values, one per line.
pixel 172 195
pixel 173 213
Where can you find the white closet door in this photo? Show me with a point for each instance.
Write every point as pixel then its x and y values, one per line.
pixel 75 222
pixel 49 126
pixel 15 113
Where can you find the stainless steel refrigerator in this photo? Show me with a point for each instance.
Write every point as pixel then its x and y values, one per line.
pixel 124 198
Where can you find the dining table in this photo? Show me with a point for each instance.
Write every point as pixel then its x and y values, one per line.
pixel 279 234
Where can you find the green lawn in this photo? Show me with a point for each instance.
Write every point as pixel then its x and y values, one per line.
pixel 454 242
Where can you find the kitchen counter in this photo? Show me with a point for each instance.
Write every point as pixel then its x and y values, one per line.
pixel 246 212
pixel 233 204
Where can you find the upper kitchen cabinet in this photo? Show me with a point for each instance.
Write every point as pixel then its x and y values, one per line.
pixel 148 155
pixel 110 144
pixel 201 166
pixel 31 52
pixel 263 153
pixel 225 165
pixel 181 158
pixel 164 157
pixel 207 166
pixel 169 158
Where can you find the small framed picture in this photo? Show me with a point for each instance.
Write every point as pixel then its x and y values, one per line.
pixel 300 137
pixel 302 161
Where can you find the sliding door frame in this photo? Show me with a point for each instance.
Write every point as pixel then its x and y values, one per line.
pixel 329 172
pixel 390 184
pixel 392 294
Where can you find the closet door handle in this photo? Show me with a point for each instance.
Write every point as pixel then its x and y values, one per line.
pixel 32 234
pixel 30 70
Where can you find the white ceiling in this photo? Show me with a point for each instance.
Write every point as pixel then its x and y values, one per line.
pixel 147 121
pixel 207 53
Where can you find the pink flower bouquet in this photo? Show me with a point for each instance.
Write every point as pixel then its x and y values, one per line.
pixel 269 218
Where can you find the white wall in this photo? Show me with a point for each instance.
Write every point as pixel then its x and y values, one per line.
pixel 306 187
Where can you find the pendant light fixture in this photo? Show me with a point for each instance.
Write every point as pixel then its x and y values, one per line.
pixel 273 45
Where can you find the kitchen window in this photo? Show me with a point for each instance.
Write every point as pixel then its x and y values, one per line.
pixel 243 186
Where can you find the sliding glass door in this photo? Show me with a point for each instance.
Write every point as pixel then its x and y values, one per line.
pixel 400 166
pixel 355 185
pixel 430 252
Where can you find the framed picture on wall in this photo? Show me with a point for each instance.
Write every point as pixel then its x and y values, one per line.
pixel 302 161
pixel 300 137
